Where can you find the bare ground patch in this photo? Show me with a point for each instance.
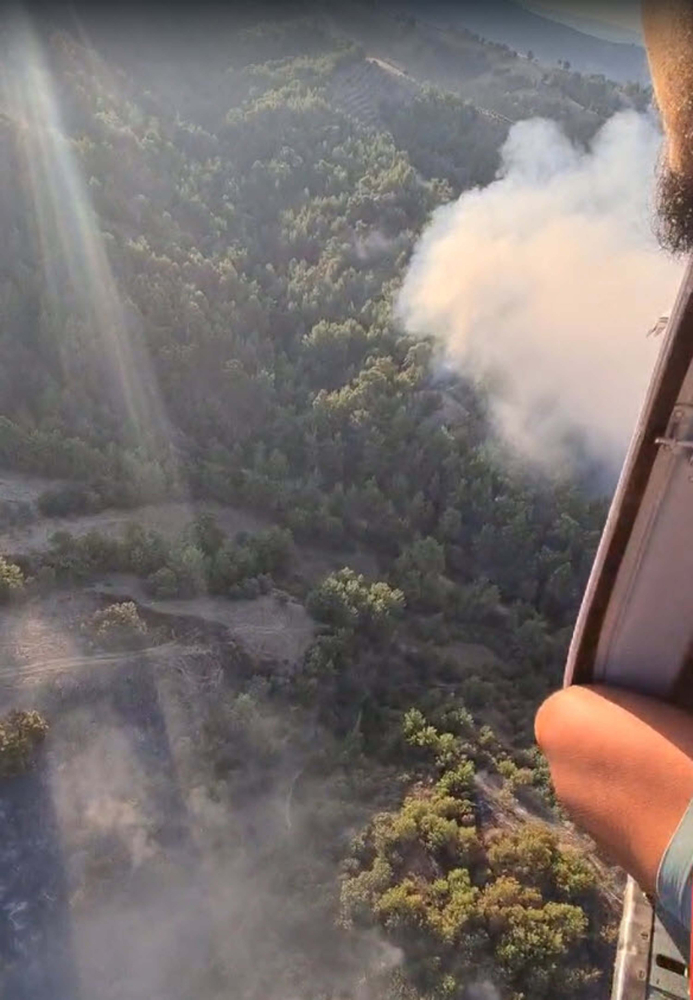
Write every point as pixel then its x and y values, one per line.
pixel 265 626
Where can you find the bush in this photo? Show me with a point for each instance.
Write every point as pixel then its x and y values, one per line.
pixel 347 600
pixel 21 733
pixel 118 625
pixel 272 550
pixel 164 583
pixel 512 901
pixel 191 569
pixel 207 534
pixel 45 579
pixel 144 551
pixel 250 588
pixel 66 501
pixel 66 557
pixel 14 513
pixel 11 581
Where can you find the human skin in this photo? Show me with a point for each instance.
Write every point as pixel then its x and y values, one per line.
pixel 622 765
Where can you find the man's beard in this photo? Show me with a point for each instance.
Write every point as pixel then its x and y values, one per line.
pixel 674 220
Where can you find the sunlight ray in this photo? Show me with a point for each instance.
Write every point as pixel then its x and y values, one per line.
pixel 74 256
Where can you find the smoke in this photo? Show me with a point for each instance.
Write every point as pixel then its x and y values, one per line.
pixel 181 836
pixel 195 834
pixel 483 991
pixel 373 245
pixel 543 286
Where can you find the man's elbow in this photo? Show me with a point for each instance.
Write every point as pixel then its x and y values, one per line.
pixel 553 724
pixel 580 731
pixel 562 729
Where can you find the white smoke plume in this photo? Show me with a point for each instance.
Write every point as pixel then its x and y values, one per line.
pixel 484 990
pixel 544 284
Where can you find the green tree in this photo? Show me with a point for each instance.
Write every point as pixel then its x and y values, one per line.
pixel 207 534
pixel 11 581
pixel 419 571
pixel 457 898
pixel 346 600
pixel 21 733
pixel 117 626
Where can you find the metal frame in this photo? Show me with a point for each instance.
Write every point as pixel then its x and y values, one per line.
pixel 658 442
pixel 635 627
pixel 648 963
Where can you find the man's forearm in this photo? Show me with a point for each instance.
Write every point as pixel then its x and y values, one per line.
pixel 622 765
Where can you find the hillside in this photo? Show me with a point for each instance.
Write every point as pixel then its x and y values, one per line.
pixel 550 40
pixel 503 86
pixel 608 25
pixel 271 582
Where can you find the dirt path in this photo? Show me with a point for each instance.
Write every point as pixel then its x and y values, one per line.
pixel 265 625
pixel 387 66
pixel 39 670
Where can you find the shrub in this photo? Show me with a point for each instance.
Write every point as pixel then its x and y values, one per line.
pixel 117 625
pixel 66 501
pixel 15 512
pixel 144 551
pixel 207 534
pixel 250 588
pixel 190 567
pixel 512 901
pixel 21 733
pixel 163 583
pixel 11 581
pixel 346 600
pixel 44 579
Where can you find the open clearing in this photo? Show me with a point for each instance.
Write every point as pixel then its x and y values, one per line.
pixel 265 626
pixel 313 562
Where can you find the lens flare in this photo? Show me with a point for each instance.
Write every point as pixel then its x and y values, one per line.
pixel 77 272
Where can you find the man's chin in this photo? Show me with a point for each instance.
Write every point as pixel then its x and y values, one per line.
pixel 674 219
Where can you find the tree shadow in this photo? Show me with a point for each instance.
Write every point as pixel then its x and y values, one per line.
pixel 40 937
pixel 35 939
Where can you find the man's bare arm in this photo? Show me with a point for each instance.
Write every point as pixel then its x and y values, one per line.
pixel 622 765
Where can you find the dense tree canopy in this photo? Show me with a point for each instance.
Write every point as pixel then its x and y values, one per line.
pixel 468 900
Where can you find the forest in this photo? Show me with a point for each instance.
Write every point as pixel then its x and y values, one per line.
pixel 200 266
